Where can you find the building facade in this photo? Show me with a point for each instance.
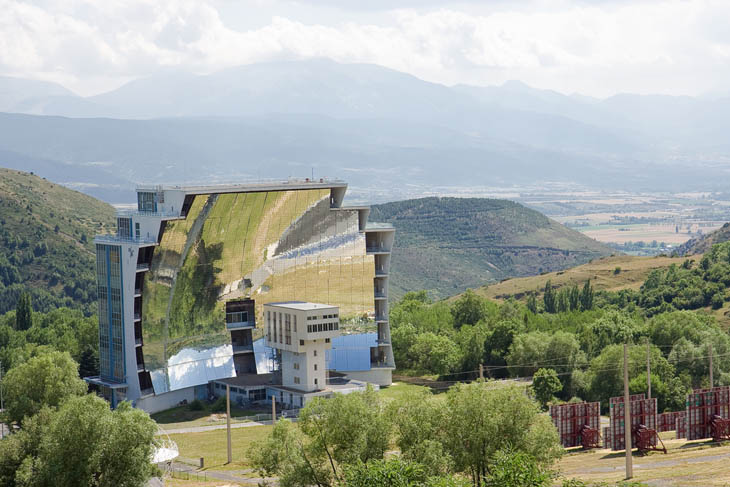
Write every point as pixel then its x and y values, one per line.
pixel 183 283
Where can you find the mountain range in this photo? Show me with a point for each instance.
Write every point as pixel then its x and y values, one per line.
pixel 373 126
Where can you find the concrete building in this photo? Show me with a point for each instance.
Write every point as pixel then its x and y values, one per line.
pixel 183 284
pixel 302 333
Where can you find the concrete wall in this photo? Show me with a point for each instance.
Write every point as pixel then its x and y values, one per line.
pixel 382 377
pixel 154 404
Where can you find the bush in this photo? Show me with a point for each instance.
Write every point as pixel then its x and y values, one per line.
pixel 617 270
pixel 197 405
pixel 219 406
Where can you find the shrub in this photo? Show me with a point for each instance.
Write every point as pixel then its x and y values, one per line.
pixel 197 405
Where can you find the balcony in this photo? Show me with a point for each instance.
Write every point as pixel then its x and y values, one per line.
pixel 138 342
pixel 383 341
pixel 381 317
pixel 377 249
pixel 380 272
pixel 238 348
pixel 137 317
pixel 164 215
pixel 137 293
pixel 375 227
pixel 115 239
pixel 146 392
pixel 143 267
pixel 380 295
pixel 238 325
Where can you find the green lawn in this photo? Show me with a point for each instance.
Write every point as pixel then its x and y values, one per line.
pixel 398 389
pixel 212 446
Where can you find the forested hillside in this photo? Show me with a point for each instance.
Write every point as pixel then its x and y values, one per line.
pixel 702 244
pixel 46 242
pixel 577 332
pixel 446 245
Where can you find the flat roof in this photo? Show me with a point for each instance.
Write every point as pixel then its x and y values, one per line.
pixel 244 380
pixel 301 305
pixel 250 186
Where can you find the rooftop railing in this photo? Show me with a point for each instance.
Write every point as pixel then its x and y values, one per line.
pixel 252 183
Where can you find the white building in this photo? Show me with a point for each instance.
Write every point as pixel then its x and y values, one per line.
pixel 301 333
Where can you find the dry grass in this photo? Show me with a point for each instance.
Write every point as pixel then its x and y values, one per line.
pixel 697 463
pixel 601 272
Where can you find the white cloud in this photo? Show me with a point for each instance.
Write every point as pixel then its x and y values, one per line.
pixel 669 46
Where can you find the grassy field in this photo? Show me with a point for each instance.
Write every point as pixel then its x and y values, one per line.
pixel 601 272
pixel 182 417
pixel 212 446
pixel 697 463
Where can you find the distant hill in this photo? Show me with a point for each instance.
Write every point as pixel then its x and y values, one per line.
pixel 46 242
pixel 372 126
pixel 446 245
pixel 700 245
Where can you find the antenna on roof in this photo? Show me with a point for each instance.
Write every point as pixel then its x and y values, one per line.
pixel 312 173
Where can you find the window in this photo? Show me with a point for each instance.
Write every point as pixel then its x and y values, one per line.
pixel 237 317
pixel 326 340
pixel 315 382
pixel 146 202
pixel 301 343
pixel 295 323
pixel 296 380
pixel 287 328
pixel 315 353
pixel 315 366
pixel 124 227
pixel 296 366
pixel 136 230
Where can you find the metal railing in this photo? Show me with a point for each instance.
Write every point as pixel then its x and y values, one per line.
pixel 116 239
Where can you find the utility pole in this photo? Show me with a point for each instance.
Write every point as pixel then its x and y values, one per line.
pixel 2 404
pixel 648 370
pixel 712 382
pixel 273 409
pixel 228 421
pixel 627 416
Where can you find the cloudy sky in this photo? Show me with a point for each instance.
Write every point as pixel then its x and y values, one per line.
pixel 595 47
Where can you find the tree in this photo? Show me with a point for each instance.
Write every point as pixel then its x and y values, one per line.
pixel 469 309
pixel 436 354
pixel 395 472
pixel 548 298
pixel 288 454
pixel 45 380
pixel 342 430
pixel 517 469
pixel 24 313
pixel 84 443
pixel 532 303
pixel 419 430
pixel 482 419
pixel 586 296
pixel 545 383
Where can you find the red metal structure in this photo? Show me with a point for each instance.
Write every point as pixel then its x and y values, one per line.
pixel 708 414
pixel 577 424
pixel 643 423
pixel 668 421
pixel 646 439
